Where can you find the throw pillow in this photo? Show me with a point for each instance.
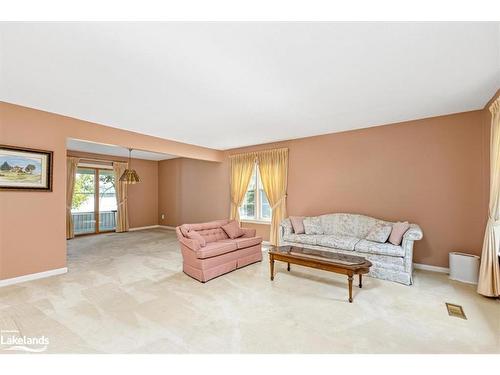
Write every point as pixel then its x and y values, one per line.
pixel 184 230
pixel 198 237
pixel 233 229
pixel 312 225
pixel 379 233
pixel 297 224
pixel 398 231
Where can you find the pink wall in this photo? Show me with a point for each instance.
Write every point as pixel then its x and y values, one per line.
pixel 169 192
pixel 430 172
pixel 42 215
pixel 433 172
pixel 192 191
pixel 143 197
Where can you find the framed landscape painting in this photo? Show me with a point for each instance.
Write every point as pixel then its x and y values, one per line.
pixel 25 169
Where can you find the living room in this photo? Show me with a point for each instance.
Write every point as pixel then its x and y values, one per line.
pixel 224 187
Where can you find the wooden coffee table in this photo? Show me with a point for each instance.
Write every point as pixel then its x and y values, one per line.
pixel 349 265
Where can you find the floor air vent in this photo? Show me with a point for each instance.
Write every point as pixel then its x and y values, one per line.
pixel 455 310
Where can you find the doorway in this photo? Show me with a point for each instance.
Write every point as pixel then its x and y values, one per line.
pixel 94 201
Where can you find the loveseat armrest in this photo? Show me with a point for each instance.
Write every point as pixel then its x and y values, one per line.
pixel 187 242
pixel 249 232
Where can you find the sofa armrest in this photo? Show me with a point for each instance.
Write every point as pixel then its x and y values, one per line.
pixel 413 234
pixel 249 232
pixel 285 228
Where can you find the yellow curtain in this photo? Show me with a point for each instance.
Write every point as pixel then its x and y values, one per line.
pixel 241 171
pixel 489 272
pixel 71 166
pixel 273 167
pixel 121 197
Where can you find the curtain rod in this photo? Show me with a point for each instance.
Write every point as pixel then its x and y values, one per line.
pixel 96 159
pixel 259 151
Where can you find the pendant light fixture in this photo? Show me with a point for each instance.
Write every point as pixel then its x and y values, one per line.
pixel 130 176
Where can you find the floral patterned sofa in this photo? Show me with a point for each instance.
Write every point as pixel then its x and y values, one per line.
pixel 346 233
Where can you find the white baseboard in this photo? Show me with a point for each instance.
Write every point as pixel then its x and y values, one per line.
pixel 33 276
pixel 151 227
pixel 166 227
pixel 142 228
pixel 266 243
pixel 427 267
pixel 465 281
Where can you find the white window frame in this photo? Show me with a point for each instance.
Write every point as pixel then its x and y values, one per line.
pixel 257 219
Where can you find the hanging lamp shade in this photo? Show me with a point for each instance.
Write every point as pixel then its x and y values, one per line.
pixel 130 176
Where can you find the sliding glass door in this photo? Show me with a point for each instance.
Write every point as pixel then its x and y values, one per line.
pixel 94 201
pixel 107 201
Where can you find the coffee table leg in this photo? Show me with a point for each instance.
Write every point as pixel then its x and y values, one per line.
pixel 271 265
pixel 288 267
pixel 360 280
pixel 349 278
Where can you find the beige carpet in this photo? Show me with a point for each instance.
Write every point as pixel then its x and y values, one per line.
pixel 126 293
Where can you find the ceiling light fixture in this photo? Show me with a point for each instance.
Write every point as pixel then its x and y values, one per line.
pixel 130 176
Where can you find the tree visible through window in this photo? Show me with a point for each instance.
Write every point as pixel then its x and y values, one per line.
pixel 255 205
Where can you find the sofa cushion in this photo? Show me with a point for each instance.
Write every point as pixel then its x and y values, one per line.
pixel 297 224
pixel 194 235
pixel 216 248
pixel 306 239
pixel 244 242
pixel 379 233
pixel 398 231
pixel 232 229
pixel 353 225
pixel 338 241
pixel 370 247
pixel 312 225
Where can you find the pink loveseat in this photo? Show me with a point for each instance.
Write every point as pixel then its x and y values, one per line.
pixel 220 254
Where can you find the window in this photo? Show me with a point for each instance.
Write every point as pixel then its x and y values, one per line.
pixel 255 206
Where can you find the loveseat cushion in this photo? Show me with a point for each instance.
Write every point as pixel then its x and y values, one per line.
pixel 194 235
pixel 338 241
pixel 210 231
pixel 244 242
pixel 370 247
pixel 216 248
pixel 233 229
pixel 213 235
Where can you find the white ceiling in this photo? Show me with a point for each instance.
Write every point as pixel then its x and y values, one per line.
pixel 225 85
pixel 104 149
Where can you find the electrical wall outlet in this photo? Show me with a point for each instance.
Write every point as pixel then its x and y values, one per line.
pixel 163 216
